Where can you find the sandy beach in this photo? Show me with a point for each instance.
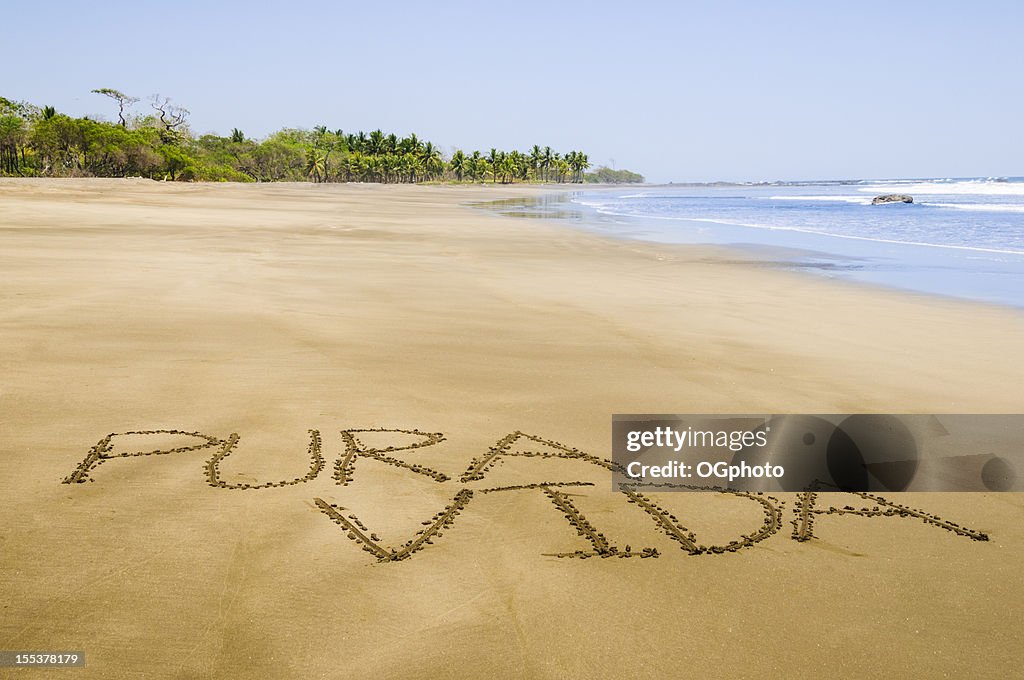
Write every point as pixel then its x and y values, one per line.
pixel 286 314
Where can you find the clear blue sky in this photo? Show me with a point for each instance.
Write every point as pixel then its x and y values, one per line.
pixel 676 90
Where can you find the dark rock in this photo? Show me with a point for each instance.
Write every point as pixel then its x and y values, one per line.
pixel 892 198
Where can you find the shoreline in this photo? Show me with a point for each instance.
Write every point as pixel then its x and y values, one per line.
pixel 951 271
pixel 274 311
pixel 733 273
pixel 799 260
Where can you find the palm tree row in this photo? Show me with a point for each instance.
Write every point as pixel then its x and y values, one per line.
pixel 43 142
pixel 379 157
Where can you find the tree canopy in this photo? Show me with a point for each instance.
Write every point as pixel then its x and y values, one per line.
pixel 606 175
pixel 158 143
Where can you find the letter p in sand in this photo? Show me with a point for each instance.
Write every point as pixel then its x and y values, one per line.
pixel 137 443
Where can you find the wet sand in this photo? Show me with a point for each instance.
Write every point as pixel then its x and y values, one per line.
pixel 237 330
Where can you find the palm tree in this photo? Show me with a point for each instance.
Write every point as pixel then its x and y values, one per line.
pixel 375 143
pixel 492 158
pixel 373 169
pixel 536 158
pixel 516 164
pixel 419 167
pixel 428 150
pixel 359 166
pixel 507 167
pixel 315 164
pixel 578 162
pixel 561 168
pixel 571 161
pixel 476 166
pixel 355 142
pixel 327 140
pixel 546 160
pixel 391 167
pixel 584 162
pixel 404 167
pixel 430 157
pixel 458 164
pixel 410 144
pixel 345 168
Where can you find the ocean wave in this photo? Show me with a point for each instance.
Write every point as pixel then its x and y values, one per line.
pixel 860 200
pixel 950 246
pixel 597 205
pixel 976 187
pixel 936 180
pixel 605 210
pixel 980 207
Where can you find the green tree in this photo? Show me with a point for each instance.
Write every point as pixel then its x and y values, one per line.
pixel 172 117
pixel 506 168
pixel 430 158
pixel 315 164
pixel 375 143
pixel 546 162
pixel 458 164
pixel 13 133
pixel 123 100
pixel 178 164
pixel 40 141
pixel 492 159
pixel 606 175
pixel 536 160
pixel 578 163
pixel 277 159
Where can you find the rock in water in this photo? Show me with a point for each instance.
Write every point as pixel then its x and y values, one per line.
pixel 892 198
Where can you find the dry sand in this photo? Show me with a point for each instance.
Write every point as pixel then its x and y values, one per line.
pixel 269 311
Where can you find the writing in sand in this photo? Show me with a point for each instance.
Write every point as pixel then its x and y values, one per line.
pixel 472 484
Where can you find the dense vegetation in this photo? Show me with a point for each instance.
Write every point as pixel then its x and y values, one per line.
pixel 606 175
pixel 39 141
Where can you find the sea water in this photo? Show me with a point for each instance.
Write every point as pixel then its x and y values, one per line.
pixel 960 237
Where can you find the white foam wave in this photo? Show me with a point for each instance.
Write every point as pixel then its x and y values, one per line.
pixel 977 187
pixel 860 200
pixel 980 207
pixel 772 227
pixel 979 249
pixel 591 203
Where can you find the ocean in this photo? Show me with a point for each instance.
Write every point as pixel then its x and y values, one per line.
pixel 961 238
